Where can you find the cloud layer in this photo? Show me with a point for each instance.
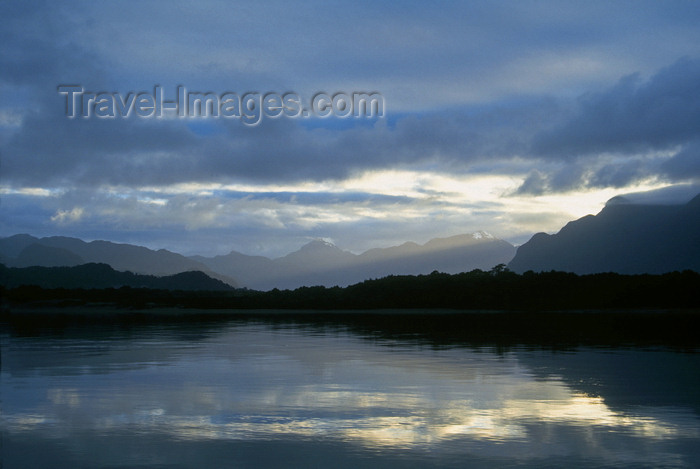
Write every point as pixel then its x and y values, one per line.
pixel 533 104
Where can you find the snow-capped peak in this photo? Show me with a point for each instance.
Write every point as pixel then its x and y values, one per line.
pixel 482 235
pixel 320 243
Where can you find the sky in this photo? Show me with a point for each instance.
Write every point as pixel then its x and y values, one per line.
pixel 507 117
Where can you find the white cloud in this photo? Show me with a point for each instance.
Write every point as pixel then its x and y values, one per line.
pixel 63 217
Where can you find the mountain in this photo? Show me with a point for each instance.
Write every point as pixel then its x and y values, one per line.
pixel 47 256
pixel 624 237
pixel 90 276
pixel 452 255
pixel 316 263
pixel 13 245
pixel 322 263
pixel 25 250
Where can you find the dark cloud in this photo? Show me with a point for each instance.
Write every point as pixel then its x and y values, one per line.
pixel 535 183
pixel 568 177
pixel 51 149
pixel 553 178
pixel 631 117
pixel 471 91
pixel 684 165
pixel 45 46
pixel 619 174
pixel 317 198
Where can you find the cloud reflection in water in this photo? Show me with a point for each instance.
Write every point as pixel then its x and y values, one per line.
pixel 253 383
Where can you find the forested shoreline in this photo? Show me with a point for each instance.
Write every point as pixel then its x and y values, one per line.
pixel 498 289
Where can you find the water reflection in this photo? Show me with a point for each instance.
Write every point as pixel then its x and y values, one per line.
pixel 242 384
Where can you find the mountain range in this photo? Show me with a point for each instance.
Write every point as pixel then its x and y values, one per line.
pixel 316 263
pixel 24 250
pixel 322 263
pixel 625 238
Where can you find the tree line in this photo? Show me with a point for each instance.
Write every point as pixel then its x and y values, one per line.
pixel 497 289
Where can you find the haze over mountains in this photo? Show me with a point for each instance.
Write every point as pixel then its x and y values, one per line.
pixel 317 263
pixel 625 237
pixel 322 263
pixel 24 250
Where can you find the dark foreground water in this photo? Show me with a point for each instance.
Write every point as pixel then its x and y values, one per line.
pixel 287 393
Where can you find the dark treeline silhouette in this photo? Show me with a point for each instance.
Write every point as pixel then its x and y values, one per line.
pixel 496 307
pixel 497 289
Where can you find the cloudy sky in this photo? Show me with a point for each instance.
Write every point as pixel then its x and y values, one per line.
pixel 508 117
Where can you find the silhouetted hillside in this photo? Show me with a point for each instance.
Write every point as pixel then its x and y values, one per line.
pixel 25 250
pixel 98 276
pixel 46 256
pixel 624 238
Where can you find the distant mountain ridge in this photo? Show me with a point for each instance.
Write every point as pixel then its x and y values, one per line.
pixel 316 263
pixel 24 251
pixel 322 263
pixel 623 238
pixel 95 276
pixel 627 238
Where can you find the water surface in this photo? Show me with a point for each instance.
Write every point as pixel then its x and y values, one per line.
pixel 267 393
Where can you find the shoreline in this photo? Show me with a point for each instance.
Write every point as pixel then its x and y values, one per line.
pixel 159 310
